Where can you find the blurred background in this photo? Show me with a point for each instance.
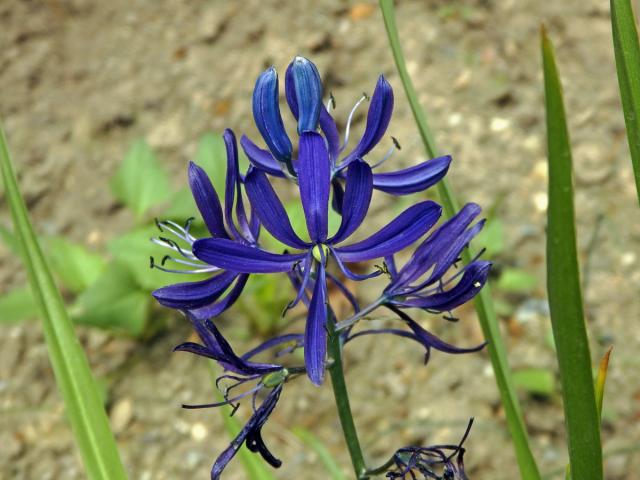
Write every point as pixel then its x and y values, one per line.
pixel 85 85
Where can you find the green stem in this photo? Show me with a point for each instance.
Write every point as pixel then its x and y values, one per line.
pixel 342 401
pixel 484 305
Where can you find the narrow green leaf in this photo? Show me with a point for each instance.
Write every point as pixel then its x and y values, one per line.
pixel 563 287
pixel 140 182
pixel 484 304
pixel 78 387
pixel 627 52
pixel 18 305
pixel 73 264
pixel 254 466
pixel 333 469
pixel 114 302
pixel 601 379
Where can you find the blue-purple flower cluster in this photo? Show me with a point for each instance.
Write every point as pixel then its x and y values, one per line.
pixel 328 175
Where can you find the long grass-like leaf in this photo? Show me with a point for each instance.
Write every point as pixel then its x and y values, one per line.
pixel 627 52
pixel 84 407
pixel 334 472
pixel 563 288
pixel 484 304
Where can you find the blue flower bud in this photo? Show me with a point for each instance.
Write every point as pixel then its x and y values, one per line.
pixel 308 88
pixel 266 113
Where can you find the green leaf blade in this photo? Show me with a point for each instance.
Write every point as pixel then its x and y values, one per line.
pixel 82 399
pixel 308 438
pixel 18 305
pixel 627 53
pixel 73 264
pixel 140 182
pixel 564 291
pixel 483 303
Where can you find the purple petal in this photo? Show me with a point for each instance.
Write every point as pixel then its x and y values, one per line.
pixel 296 338
pixel 308 89
pixel 215 309
pixel 338 196
pixel 474 277
pixel 302 289
pixel 405 229
pixel 442 248
pixel 254 425
pixel 413 179
pixel 270 210
pixel 232 186
pixel 189 295
pixel 266 113
pixel 378 118
pixel 348 273
pixel 315 335
pixel 241 258
pixel 216 347
pixel 314 178
pixel 357 197
pixel 330 130
pixel 429 340
pixel 261 159
pixel 207 200
pixel 327 123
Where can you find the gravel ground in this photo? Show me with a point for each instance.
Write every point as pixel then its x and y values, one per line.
pixel 80 80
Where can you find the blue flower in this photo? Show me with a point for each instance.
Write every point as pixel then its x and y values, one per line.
pixel 207 298
pixel 303 91
pixel 421 282
pixel 314 186
pixel 266 376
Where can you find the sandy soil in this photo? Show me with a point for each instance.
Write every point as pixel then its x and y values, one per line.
pixel 80 80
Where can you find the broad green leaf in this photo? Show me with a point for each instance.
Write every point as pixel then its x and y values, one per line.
pixel 627 53
pixel 114 302
pixel 333 469
pixel 18 305
pixel 484 305
pixel 140 182
pixel 255 468
pixel 563 287
pixel 81 395
pixel 537 381
pixel 134 250
pixel 73 264
pixel 515 280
